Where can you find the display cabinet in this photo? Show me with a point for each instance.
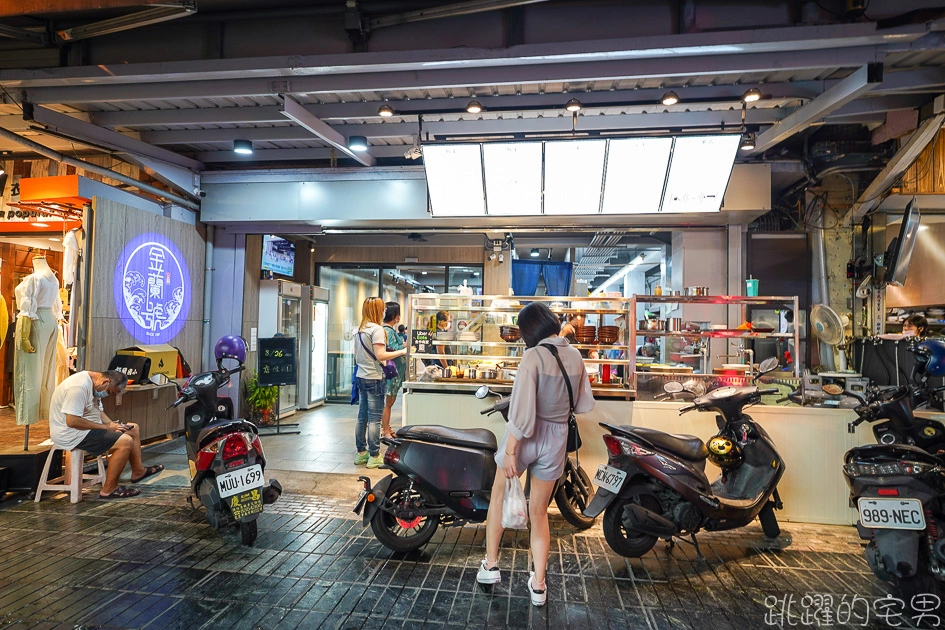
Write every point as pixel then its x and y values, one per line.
pixel 697 334
pixel 481 343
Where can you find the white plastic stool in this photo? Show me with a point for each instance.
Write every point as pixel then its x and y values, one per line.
pixel 73 478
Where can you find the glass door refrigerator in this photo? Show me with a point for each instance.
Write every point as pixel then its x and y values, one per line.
pixel 280 313
pixel 313 352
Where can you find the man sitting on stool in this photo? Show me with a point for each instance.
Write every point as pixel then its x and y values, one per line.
pixel 76 420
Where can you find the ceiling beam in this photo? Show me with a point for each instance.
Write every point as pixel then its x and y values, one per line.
pixel 862 80
pixel 100 136
pixel 22 34
pixel 512 73
pixel 902 160
pixel 296 112
pixel 175 9
pixel 291 155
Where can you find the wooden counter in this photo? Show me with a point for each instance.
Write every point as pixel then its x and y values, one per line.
pixel 144 405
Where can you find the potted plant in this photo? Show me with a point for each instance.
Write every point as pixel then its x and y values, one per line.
pixel 261 398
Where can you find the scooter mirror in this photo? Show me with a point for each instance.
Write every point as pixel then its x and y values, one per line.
pixel 768 365
pixel 832 389
pixel 158 379
pixel 483 391
pixel 673 387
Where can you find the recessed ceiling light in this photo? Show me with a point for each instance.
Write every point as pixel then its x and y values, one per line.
pixel 751 95
pixel 385 110
pixel 423 273
pixel 243 147
pixel 573 105
pixel 473 107
pixel 357 143
pixel 670 98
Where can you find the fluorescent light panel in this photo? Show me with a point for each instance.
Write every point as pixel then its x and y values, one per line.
pixel 636 170
pixel 454 179
pixel 699 172
pixel 513 178
pixel 573 173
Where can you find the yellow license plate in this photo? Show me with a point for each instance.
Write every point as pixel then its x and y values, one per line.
pixel 246 504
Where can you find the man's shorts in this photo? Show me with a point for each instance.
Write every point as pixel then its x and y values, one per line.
pixel 99 441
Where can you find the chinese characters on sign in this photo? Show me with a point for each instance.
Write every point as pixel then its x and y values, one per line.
pixel 152 289
pixel 825 611
pixel 277 361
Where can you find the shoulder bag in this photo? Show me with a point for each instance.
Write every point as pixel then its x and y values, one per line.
pixel 574 436
pixel 390 369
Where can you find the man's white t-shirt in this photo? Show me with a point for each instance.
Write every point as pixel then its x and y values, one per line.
pixel 74 396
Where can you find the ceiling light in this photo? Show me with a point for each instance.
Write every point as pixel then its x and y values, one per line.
pixel 385 110
pixel 748 142
pixel 423 273
pixel 357 143
pixel 41 224
pixel 54 240
pixel 243 147
pixel 473 107
pixel 573 105
pixel 535 253
pixel 670 98
pixel 476 273
pixel 312 250
pixel 752 95
pixel 2 171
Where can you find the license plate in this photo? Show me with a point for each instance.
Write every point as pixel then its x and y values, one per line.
pixel 891 513
pixel 246 504
pixel 241 480
pixel 609 478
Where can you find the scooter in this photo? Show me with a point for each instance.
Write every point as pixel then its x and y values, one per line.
pixel 444 476
pixel 226 457
pixel 654 484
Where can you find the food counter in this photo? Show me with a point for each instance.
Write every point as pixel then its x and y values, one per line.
pixel 812 441
pixel 145 405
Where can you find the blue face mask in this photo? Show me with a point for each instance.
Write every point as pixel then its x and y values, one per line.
pixel 102 394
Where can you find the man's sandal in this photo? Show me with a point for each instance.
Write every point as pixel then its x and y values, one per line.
pixel 150 470
pixel 121 492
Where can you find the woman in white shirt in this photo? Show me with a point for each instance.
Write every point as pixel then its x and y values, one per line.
pixel 371 340
pixel 536 437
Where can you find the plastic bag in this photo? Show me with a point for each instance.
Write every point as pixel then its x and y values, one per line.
pixel 514 508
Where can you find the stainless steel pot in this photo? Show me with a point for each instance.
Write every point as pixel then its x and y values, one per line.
pixel 487 374
pixel 673 324
pixel 650 324
pixel 507 374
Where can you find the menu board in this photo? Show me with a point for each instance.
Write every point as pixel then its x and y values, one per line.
pixel 277 361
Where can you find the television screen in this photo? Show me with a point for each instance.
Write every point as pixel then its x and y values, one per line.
pixel 899 253
pixel 278 255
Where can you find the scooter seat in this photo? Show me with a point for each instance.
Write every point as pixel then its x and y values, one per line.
pixel 686 446
pixel 482 439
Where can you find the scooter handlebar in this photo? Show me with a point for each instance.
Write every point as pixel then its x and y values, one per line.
pixel 686 409
pixel 769 390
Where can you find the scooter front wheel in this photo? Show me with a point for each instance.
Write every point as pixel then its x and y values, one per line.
pixel 572 500
pixel 400 534
pixel 629 543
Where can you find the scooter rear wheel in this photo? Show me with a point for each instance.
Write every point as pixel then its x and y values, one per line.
pixel 769 522
pixel 571 501
pixel 248 532
pixel 629 543
pixel 397 534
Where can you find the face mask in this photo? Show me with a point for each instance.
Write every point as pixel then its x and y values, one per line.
pixel 102 394
pixel 908 333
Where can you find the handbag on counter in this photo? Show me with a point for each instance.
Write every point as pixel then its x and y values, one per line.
pixel 390 369
pixel 574 436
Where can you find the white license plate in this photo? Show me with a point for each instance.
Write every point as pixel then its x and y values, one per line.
pixel 609 478
pixel 891 513
pixel 240 480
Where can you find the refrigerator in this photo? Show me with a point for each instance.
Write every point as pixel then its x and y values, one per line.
pixel 280 312
pixel 313 371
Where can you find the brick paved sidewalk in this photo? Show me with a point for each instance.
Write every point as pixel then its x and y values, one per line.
pixel 152 562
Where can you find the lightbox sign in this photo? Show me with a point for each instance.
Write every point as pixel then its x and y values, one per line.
pixel 152 289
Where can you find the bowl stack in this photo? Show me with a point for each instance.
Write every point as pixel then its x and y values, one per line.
pixel 509 333
pixel 585 334
pixel 608 334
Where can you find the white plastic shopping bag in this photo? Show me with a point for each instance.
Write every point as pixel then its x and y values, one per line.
pixel 514 508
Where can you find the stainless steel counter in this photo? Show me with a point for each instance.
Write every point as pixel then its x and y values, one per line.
pixel 503 388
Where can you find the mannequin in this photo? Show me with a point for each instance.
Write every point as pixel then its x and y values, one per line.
pixel 39 310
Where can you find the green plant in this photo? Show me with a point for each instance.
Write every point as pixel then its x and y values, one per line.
pixel 262 398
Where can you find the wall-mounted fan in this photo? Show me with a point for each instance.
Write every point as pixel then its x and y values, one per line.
pixel 828 326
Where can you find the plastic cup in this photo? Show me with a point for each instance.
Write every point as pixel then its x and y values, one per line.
pixel 751 287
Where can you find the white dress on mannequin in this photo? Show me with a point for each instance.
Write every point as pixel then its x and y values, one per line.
pixel 34 373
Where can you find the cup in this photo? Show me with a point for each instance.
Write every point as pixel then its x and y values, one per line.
pixel 751 287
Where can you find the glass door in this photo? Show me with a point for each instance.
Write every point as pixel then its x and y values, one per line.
pixel 290 325
pixel 319 345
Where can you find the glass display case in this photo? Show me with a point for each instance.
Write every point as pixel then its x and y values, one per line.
pixel 468 339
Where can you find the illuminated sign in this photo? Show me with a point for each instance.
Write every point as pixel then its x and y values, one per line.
pixel 152 289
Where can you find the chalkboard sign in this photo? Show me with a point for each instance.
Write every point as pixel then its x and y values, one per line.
pixel 422 340
pixel 277 361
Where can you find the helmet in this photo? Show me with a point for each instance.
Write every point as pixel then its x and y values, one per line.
pixel 230 347
pixel 724 452
pixel 930 356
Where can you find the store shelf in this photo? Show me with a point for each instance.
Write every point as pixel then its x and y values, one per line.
pixel 715 334
pixel 731 300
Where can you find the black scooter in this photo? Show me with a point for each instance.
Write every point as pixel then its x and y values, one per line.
pixel 444 476
pixel 225 456
pixel 654 484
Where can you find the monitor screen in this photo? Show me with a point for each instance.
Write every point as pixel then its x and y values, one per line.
pixel 278 255
pixel 899 254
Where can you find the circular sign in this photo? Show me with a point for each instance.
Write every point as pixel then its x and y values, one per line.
pixel 152 289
